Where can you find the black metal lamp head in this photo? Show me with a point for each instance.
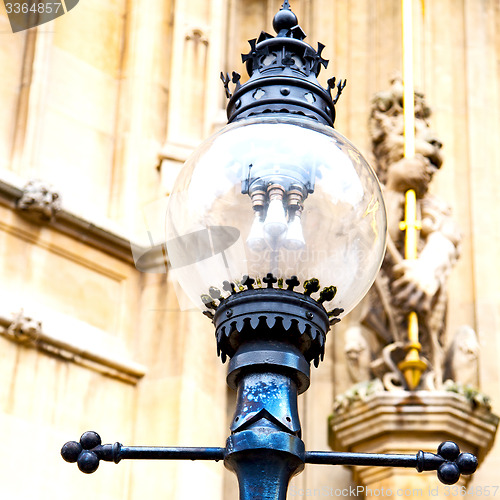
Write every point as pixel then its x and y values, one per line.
pixel 277 191
pixel 283 72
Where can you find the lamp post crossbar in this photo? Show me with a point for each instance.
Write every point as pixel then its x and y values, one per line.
pixel 87 454
pixel 422 461
pixel 170 453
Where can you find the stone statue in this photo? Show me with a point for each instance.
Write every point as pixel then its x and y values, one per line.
pixel 408 285
pixel 461 364
pixel 358 355
pixel 40 199
pixel 24 328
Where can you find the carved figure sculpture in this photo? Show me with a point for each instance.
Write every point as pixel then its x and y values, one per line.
pixel 461 364
pixel 24 328
pixel 403 285
pixel 40 199
pixel 358 355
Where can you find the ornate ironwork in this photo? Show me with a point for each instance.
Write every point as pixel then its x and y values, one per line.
pixel 283 71
pixel 245 315
pixel 271 332
pixel 214 298
pixel 448 462
pixel 271 336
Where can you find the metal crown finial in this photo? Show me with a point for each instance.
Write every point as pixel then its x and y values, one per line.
pixel 284 20
pixel 283 71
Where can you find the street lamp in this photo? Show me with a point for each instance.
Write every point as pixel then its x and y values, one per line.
pixel 276 227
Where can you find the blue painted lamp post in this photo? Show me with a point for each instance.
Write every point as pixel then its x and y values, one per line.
pixel 276 228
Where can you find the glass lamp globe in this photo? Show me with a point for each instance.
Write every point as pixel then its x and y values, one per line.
pixel 281 194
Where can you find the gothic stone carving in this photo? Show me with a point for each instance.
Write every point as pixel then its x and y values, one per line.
pixel 24 329
pixel 40 199
pixel 402 285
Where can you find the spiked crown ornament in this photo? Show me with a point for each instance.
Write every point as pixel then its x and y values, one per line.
pixel 283 74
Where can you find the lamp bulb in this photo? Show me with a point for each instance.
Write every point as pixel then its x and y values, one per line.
pixel 294 237
pixel 275 225
pixel 256 240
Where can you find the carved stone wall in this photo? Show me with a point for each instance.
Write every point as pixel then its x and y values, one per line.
pixel 401 422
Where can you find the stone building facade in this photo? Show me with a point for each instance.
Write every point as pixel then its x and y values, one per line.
pixel 100 108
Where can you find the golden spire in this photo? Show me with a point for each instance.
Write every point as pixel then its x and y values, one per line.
pixel 412 366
